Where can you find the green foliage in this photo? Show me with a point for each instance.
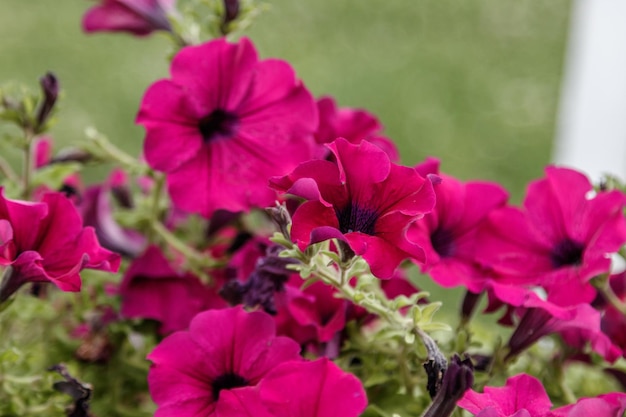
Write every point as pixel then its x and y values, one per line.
pixel 24 390
pixel 111 359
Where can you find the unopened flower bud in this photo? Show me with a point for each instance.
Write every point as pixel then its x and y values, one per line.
pixel 231 11
pixel 50 88
pixel 457 379
pixel 281 217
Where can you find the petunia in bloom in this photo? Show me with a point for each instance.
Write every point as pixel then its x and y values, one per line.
pixel 522 396
pixel 560 239
pixel 312 389
pixel 152 289
pixel 363 200
pixel 606 405
pixel 313 316
pixel 525 396
pixel 579 324
pixel 46 242
pixel 613 320
pixel 97 211
pixel 354 125
pixel 213 369
pixel 224 124
pixel 448 233
pixel 139 17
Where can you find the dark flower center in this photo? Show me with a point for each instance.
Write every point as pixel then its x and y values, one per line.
pixel 218 123
pixel 567 252
pixel 353 218
pixel 443 242
pixel 227 381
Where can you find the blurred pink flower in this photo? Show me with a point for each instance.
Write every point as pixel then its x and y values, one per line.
pixel 224 124
pixel 579 324
pixel 448 233
pixel 213 369
pixel 312 389
pixel 46 242
pixel 152 289
pixel 522 396
pixel 525 396
pixel 606 405
pixel 97 211
pixel 139 17
pixel 354 125
pixel 363 200
pixel 614 321
pixel 312 315
pixel 560 240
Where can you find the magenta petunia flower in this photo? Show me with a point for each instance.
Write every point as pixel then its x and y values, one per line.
pixel 613 320
pixel 522 396
pixel 560 240
pixel 362 199
pixel 448 233
pixel 224 124
pixel 354 125
pixel 97 211
pixel 152 289
pixel 525 396
pixel 46 242
pixel 606 405
pixel 579 325
pixel 139 17
pixel 312 315
pixel 312 389
pixel 213 369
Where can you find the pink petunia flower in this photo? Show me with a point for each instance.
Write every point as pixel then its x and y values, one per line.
pixel 213 369
pixel 525 396
pixel 522 396
pixel 354 125
pixel 448 233
pixel 363 200
pixel 579 325
pixel 606 405
pixel 560 240
pixel 152 289
pixel 97 211
pixel 224 124
pixel 613 320
pixel 139 17
pixel 312 389
pixel 46 242
pixel 313 316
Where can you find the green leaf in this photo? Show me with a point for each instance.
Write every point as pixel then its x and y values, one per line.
pixel 53 175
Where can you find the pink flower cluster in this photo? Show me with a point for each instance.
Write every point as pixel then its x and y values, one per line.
pixel 230 363
pixel 46 242
pixel 232 133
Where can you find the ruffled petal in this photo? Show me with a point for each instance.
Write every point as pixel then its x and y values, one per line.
pixel 313 389
pixel 217 74
pixel 173 136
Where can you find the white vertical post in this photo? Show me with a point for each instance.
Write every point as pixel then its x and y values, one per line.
pixel 591 133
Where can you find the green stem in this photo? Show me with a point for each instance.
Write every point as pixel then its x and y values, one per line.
pixel 404 371
pixel 7 171
pixel 115 154
pixel 565 389
pixel 608 293
pixel 188 252
pixel 155 209
pixel 27 167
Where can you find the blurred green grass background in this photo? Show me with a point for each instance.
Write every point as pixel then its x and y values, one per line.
pixel 475 83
